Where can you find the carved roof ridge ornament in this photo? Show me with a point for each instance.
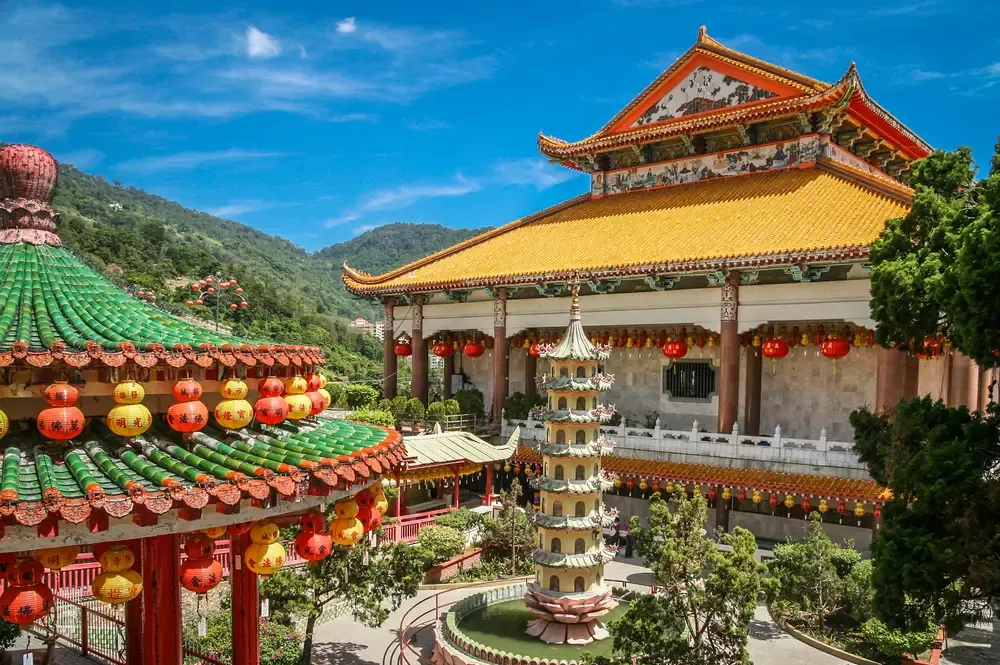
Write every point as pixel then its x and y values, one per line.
pixel 27 178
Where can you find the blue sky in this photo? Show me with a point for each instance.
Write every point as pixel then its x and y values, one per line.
pixel 318 120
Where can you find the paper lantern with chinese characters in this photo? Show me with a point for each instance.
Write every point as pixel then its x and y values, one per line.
pixel 187 390
pixel 129 392
pixel 369 517
pixel 313 521
pixel 835 348
pixel 270 410
pixel 381 503
pixel 347 529
pixel 774 348
pixel 117 588
pixel 474 349
pixel 264 532
pixel 270 387
pixel 187 417
pixel 129 420
pixel 4 424
pixel 234 414
pixel 116 559
pixel 313 545
pixel 234 389
pixel 264 558
pixel 62 420
pixel 327 398
pixel 299 406
pixel 403 348
pixel 442 349
pixel 318 403
pixel 214 532
pixel 56 558
pixel 675 349
pixel 26 599
pixel 201 572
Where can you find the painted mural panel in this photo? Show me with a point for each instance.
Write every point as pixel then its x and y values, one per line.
pixel 702 90
pixel 752 159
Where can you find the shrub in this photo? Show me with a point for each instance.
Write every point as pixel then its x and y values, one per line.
pixel 360 396
pixel 385 405
pixel 443 542
pixel 9 633
pixel 470 400
pixel 414 409
pixel 373 417
pixel 435 411
pixel 895 643
pixel 518 405
pixel 398 406
pixel 452 407
pixel 461 519
pixel 336 390
pixel 859 595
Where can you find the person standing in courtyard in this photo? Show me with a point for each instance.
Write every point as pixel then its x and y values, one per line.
pixel 629 540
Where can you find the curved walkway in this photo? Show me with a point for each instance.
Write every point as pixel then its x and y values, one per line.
pixel 343 641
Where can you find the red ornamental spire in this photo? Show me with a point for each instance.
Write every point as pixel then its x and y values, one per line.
pixel 27 177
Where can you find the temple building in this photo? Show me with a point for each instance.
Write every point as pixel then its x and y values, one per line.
pixel 128 442
pixel 722 248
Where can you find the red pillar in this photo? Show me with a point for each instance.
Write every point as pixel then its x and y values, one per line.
pixel 161 594
pixel 454 497
pixel 500 365
pixel 530 371
pixel 488 498
pixel 133 616
pixel 399 493
pixel 402 499
pixel 729 350
pixel 246 607
pixel 449 370
pixel 751 392
pixel 390 364
pixel 419 385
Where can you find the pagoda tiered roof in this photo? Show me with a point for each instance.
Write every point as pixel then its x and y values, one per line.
pixel 599 415
pixel 576 450
pixel 575 384
pixel 568 486
pixel 571 523
pixel 573 561
pixel 158 473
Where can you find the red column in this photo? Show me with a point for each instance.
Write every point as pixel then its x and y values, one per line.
pixel 399 493
pixel 449 370
pixel 729 350
pixel 161 594
pixel 419 385
pixel 402 497
pixel 530 370
pixel 246 607
pixel 751 392
pixel 390 364
pixel 500 366
pixel 454 498
pixel 133 616
pixel 488 499
pixel 896 378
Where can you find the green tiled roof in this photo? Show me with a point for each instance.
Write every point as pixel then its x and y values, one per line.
pixel 573 450
pixel 567 486
pixel 573 561
pixel 160 472
pixel 572 383
pixel 51 301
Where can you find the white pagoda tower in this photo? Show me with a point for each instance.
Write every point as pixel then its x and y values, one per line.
pixel 569 595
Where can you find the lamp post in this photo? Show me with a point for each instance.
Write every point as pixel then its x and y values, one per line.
pixel 213 291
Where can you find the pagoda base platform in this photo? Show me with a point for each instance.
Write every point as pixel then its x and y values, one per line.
pixel 556 632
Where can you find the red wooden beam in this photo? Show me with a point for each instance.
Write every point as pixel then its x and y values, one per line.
pixel 161 594
pixel 133 616
pixel 245 607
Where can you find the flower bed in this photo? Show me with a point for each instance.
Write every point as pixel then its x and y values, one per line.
pixel 451 567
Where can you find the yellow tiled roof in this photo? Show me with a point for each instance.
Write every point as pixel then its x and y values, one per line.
pixel 778 217
pixel 795 483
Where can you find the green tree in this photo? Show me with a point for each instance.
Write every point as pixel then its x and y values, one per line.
pixel 369 583
pixel 441 542
pixel 938 554
pixel 807 577
pixel 511 535
pixel 703 614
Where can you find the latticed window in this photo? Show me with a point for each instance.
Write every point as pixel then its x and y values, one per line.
pixel 581 436
pixel 692 380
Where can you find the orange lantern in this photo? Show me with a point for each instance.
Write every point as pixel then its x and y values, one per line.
pixel 370 518
pixel 442 349
pixel 270 410
pixel 187 390
pixel 675 349
pixel 61 421
pixel 313 545
pixel 270 387
pixel 318 403
pixel 201 575
pixel 26 599
pixel 187 417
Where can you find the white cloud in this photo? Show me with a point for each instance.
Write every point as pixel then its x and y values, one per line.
pixel 82 159
pixel 239 208
pixel 531 171
pixel 347 26
pixel 924 75
pixel 183 161
pixel 403 197
pixel 260 44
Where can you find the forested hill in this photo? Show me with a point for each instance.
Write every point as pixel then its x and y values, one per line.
pixel 138 238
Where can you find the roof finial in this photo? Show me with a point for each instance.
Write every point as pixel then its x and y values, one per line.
pixel 574 308
pixel 702 34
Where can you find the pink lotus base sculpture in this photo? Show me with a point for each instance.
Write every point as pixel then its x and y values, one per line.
pixel 568 618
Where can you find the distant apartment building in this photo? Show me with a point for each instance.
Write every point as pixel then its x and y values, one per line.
pixel 377 329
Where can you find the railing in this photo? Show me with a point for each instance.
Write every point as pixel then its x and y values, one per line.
pixel 98 635
pixel 406 528
pixel 646 443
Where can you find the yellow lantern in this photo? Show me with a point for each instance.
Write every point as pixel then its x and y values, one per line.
pixel 327 399
pixel 235 413
pixel 618 482
pixel 117 588
pixel 129 420
pixel 129 392
pixel 789 501
pixel 117 559
pixel 214 532
pixel 643 485
pixel 322 380
pixel 264 558
pixel 859 509
pixel 670 487
pixel 506 467
pixel 299 406
pixel 823 506
pixel 234 389
pixel 756 496
pixel 347 529
pixel 381 503
pixel 264 532
pixel 727 493
pixel 296 385
pixel 4 424
pixel 56 558
pixel 697 489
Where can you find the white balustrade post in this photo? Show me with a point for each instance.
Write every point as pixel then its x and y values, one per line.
pixel 694 432
pixel 822 440
pixel 529 424
pixel 734 438
pixel 777 436
pixel 621 429
pixel 656 431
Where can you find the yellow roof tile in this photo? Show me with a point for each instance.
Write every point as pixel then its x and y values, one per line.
pixel 776 217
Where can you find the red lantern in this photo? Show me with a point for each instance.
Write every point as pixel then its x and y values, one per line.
pixel 187 390
pixel 187 417
pixel 404 348
pixel 675 349
pixel 233 306
pixel 62 421
pixel 841 506
pixel 442 349
pixel 61 394
pixel 370 518
pixel 7 562
pixel 877 512
pixel 313 545
pixel 474 349
pixel 534 351
pixel 270 387
pixel 318 403
pixel 239 529
pixel 25 573
pixel 201 575
pixel 656 486
pixel 313 521
pixel 712 493
pixel 313 383
pixel 806 505
pixel 270 410
pixel 773 500
pixel 835 347
pixel 199 547
pixel 24 605
pixel 630 483
pixel 742 495
pixel 774 348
